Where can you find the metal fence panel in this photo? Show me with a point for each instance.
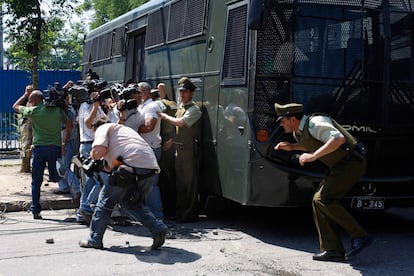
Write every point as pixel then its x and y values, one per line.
pixel 9 135
pixel 13 83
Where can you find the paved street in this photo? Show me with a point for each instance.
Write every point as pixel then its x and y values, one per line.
pixel 246 241
pixel 279 242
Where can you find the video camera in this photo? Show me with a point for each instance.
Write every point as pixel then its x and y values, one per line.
pixel 82 90
pixel 122 95
pixel 54 96
pixel 91 166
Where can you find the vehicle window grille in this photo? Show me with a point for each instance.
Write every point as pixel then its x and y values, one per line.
pixel 104 46
pixel 118 41
pixel 265 97
pixel 355 3
pixel 156 29
pixel 234 62
pixel 94 50
pixel 275 53
pixel 87 51
pixel 186 19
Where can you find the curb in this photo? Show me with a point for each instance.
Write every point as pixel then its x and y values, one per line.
pixel 17 206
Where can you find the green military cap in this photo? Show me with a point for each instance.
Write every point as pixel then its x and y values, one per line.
pixel 185 83
pixel 288 109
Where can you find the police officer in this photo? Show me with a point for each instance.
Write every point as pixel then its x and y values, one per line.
pixel 26 138
pixel 317 136
pixel 187 144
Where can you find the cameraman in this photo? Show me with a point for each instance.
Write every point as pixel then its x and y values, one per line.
pixel 89 112
pixel 124 148
pixel 47 139
pixel 127 108
pixel 69 183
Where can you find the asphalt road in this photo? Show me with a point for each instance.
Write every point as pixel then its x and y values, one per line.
pixel 253 241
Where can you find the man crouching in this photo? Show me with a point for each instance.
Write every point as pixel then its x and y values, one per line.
pixel 132 163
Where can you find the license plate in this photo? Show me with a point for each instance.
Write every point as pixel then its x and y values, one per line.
pixel 368 203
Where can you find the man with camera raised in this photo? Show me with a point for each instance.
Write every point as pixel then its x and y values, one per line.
pixel 89 113
pixel 127 107
pixel 47 139
pixel 131 162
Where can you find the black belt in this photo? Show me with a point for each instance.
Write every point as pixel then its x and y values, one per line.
pixel 145 176
pixel 87 142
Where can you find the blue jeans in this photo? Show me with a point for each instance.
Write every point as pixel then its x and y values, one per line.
pixel 153 199
pixel 90 183
pixel 42 155
pixel 70 181
pixel 132 199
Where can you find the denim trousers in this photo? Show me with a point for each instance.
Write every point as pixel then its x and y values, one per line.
pixel 86 200
pixel 132 199
pixel 153 200
pixel 70 182
pixel 42 155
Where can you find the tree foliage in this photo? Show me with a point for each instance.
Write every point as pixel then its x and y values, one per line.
pixel 106 10
pixel 32 28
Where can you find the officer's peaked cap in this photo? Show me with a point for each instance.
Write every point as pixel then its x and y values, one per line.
pixel 288 109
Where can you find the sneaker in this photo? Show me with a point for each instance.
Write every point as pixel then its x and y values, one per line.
pixel 37 216
pixel 159 239
pixel 87 244
pixel 59 192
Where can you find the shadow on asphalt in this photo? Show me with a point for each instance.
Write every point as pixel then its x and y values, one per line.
pixel 165 255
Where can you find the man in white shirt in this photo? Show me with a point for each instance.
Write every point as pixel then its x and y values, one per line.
pixel 150 131
pixel 89 113
pixel 123 149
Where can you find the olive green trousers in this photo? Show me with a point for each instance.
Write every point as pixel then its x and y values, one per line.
pixel 328 212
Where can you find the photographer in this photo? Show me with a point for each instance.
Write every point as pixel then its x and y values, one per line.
pixel 127 107
pixel 69 183
pixel 132 163
pixel 47 139
pixel 89 113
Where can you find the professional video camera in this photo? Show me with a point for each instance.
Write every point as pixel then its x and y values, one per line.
pixel 126 102
pixel 82 90
pixel 91 166
pixel 127 92
pixel 54 96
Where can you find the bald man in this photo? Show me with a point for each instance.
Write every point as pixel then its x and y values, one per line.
pixel 47 139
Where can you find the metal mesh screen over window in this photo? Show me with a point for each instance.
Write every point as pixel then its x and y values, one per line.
pixel 104 46
pixel 94 50
pixel 87 51
pixel 156 29
pixel 234 71
pixel 118 41
pixel 186 19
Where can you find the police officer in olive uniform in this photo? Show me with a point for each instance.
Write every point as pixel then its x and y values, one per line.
pixel 317 136
pixel 187 151
pixel 26 133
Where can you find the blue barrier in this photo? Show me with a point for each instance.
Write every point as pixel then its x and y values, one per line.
pixel 13 83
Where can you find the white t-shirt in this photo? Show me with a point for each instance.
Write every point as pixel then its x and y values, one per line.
pixel 86 134
pixel 149 109
pixel 133 118
pixel 123 141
